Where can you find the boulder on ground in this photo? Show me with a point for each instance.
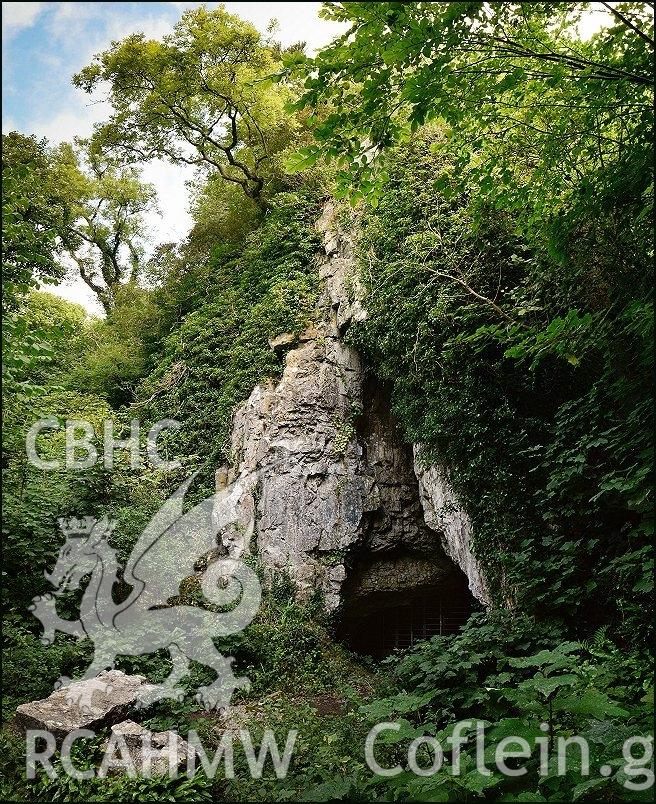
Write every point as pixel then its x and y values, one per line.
pixel 136 750
pixel 90 704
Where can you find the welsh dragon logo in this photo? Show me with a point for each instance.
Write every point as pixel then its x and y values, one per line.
pixel 173 547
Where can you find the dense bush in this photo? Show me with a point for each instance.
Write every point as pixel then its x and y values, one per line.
pixel 534 391
pixel 518 678
pixel 220 351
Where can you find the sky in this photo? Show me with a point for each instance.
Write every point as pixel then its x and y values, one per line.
pixel 44 44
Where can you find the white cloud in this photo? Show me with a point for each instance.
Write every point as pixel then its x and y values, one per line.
pixel 93 26
pixel 16 16
pixel 297 22
pixel 153 26
pixel 65 14
pixel 70 123
pixel 8 124
pixel 173 222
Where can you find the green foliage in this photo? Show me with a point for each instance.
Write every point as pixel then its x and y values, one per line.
pixel 200 96
pixel 300 680
pixel 220 351
pixel 223 217
pixel 27 237
pixel 455 671
pixel 85 753
pixel 157 788
pixel 119 346
pixel 66 201
pixel 28 244
pixel 30 669
pixel 493 672
pixel 330 733
pixel 35 497
pixel 505 366
pixel 287 644
pixel 533 111
pixel 62 328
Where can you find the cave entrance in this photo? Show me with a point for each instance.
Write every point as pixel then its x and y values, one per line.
pixel 381 633
pixel 393 604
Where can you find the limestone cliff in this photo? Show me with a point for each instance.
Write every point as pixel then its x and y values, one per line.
pixel 444 514
pixel 338 500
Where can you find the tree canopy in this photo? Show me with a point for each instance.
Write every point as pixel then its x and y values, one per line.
pixel 66 205
pixel 530 109
pixel 28 238
pixel 201 96
pixel 101 228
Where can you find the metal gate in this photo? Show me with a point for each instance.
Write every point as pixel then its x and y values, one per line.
pixel 401 626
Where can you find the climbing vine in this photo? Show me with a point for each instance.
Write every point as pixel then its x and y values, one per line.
pixel 513 380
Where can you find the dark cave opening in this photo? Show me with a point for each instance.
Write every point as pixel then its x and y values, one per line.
pixel 401 585
pixel 382 632
pixel 375 622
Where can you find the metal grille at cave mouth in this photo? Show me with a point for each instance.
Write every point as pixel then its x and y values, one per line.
pixel 400 626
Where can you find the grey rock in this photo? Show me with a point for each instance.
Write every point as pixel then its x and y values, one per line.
pixel 148 753
pixel 281 342
pixel 317 459
pixel 342 282
pixel 444 514
pixel 89 704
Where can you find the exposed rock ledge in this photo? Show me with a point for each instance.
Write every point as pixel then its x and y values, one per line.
pixel 88 704
pixel 320 468
pixel 443 513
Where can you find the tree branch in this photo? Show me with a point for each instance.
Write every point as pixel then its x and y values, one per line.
pixel 626 21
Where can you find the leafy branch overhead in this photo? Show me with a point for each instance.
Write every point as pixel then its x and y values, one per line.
pixel 507 80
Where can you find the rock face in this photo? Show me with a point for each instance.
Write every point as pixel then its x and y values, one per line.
pixel 318 463
pixel 443 514
pixel 84 704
